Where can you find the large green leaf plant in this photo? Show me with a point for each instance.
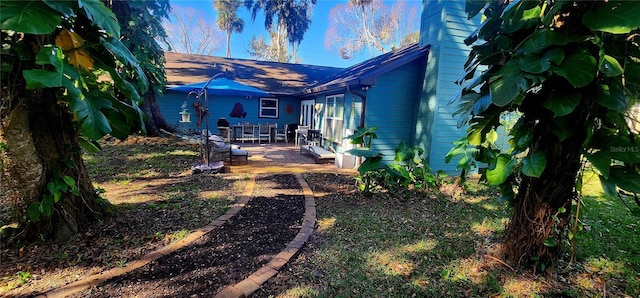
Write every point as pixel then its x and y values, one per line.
pixel 576 53
pixel 83 57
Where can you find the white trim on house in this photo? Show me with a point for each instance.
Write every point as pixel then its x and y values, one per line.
pixel 333 117
pixel 268 108
pixel 306 113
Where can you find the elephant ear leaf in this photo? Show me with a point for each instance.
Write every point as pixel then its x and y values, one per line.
pixel 32 17
pixel 370 164
pixel 101 15
pixel 610 66
pixel 504 166
pixel 534 164
pixel 562 105
pixel 93 122
pixel 617 17
pixel 578 68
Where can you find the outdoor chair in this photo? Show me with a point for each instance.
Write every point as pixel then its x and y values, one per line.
pixel 247 132
pixel 311 143
pixel 281 134
pixel 219 150
pixel 225 133
pixel 264 132
pixel 291 131
pixel 301 132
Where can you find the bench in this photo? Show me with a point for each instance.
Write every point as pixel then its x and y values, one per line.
pixel 319 153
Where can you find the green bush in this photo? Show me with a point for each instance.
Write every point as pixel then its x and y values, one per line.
pixel 409 170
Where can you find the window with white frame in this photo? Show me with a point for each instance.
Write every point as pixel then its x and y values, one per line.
pixel 268 108
pixel 334 117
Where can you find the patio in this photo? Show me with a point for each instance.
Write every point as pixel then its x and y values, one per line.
pixel 280 158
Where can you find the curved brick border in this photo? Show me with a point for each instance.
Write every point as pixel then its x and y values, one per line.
pixel 252 283
pixel 97 279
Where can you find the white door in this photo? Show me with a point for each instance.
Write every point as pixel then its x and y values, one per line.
pixel 306 113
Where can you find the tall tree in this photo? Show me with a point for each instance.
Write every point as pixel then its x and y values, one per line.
pixel 259 49
pixel 67 80
pixel 190 32
pixel 572 69
pixel 371 24
pixel 141 25
pixel 361 6
pixel 228 19
pixel 290 16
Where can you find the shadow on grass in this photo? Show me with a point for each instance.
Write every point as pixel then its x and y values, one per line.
pixel 148 212
pixel 428 246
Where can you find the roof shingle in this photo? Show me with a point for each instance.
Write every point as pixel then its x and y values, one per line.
pixel 273 77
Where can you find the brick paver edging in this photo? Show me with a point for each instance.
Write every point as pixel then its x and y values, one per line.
pixel 99 278
pixel 252 283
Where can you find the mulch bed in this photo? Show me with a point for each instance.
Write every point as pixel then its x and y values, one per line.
pixel 224 256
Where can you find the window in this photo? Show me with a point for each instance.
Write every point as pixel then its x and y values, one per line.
pixel 334 117
pixel 268 108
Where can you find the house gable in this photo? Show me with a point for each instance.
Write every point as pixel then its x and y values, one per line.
pixel 387 87
pixel 444 26
pixel 367 72
pixel 391 106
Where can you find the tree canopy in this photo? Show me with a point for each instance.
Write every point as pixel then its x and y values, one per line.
pixel 371 25
pixel 228 19
pixel 190 32
pixel 260 49
pixel 74 59
pixel 293 16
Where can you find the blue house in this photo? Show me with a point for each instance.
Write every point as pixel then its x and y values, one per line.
pixel 405 93
pixel 383 91
pixel 282 80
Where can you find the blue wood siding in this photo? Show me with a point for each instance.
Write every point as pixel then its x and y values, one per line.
pixel 221 106
pixel 444 26
pixel 391 106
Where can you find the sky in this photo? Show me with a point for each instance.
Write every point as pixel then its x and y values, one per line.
pixel 311 49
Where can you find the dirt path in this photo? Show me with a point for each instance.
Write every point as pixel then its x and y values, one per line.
pixel 225 256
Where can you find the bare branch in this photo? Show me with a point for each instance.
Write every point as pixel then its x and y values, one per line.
pixel 190 32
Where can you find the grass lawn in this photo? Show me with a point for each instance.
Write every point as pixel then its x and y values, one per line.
pixel 155 201
pixel 438 246
pixel 428 245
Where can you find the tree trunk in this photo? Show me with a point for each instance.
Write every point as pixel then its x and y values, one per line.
pixel 366 30
pixel 229 43
pixel 535 216
pixel 42 146
pixel 155 121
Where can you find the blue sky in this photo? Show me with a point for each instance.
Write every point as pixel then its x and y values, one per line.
pixel 311 50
